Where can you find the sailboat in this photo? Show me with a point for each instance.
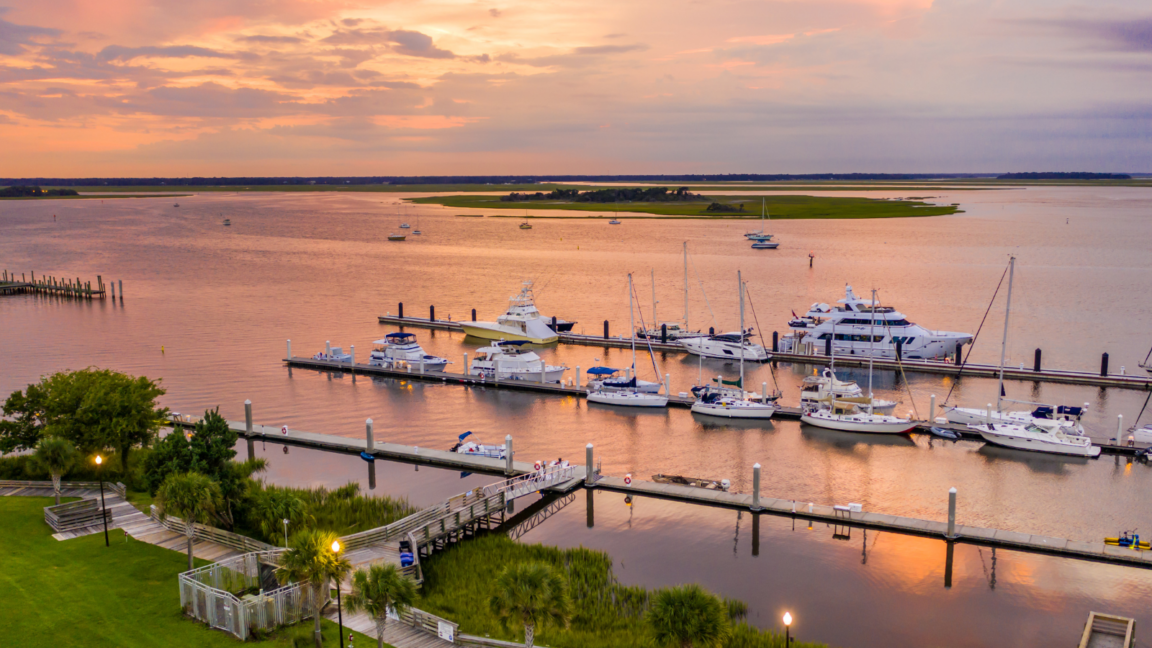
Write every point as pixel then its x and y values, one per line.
pixel 849 417
pixel 762 237
pixel 673 330
pixel 1064 418
pixel 629 396
pixel 733 403
pixel 1147 366
pixel 417 231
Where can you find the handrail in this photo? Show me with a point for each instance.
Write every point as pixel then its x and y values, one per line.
pixel 213 534
pixel 534 481
pixel 116 487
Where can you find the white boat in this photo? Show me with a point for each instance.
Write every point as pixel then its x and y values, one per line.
pixel 400 351
pixel 333 354
pixel 632 395
pixel 609 379
pixel 852 416
pixel 761 236
pixel 729 346
pixel 815 390
pixel 1146 365
pixel 866 328
pixel 1065 420
pixel 521 322
pixel 1037 438
pixel 478 449
pixel 505 359
pixel 404 226
pixel 1142 435
pixel 613 222
pixel 764 245
pixel 857 421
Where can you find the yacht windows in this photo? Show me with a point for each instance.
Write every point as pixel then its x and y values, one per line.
pixel 879 322
pixel 851 337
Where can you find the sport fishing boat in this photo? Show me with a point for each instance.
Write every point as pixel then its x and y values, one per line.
pixel 521 322
pixel 865 328
pixel 609 379
pixel 505 359
pixel 629 395
pixel 728 346
pixel 1037 438
pixel 1066 420
pixel 400 350
pixel 477 449
pixel 853 417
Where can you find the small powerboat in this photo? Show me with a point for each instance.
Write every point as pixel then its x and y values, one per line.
pixel 477 449
pixel 525 225
pixel 400 350
pixel 333 354
pixel 506 360
pixel 614 222
pixel 945 433
pixel 405 226
pixel 695 482
pixel 227 222
pixel 397 237
pixel 765 245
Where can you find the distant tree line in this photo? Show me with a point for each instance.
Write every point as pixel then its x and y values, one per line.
pixel 640 194
pixel 24 191
pixel 721 207
pixel 1063 175
pixel 508 179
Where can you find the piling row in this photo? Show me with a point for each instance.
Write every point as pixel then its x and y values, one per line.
pixel 76 288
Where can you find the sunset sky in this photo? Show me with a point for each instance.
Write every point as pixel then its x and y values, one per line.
pixel 336 87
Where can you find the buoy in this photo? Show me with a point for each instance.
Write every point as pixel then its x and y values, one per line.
pixel 161 348
pixel 628 479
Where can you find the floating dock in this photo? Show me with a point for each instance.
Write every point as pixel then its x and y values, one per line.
pixel 833 515
pixel 10 284
pixel 557 389
pixel 939 367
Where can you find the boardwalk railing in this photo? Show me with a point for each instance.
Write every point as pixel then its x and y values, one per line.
pixel 210 594
pixel 532 482
pixel 211 534
pixel 116 488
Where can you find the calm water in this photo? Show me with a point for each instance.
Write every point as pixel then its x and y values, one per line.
pixel 313 267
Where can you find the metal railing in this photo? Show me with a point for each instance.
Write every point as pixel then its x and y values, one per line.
pixel 532 482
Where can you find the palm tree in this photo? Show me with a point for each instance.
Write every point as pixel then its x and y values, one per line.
pixel 274 505
pixel 312 562
pixel 378 588
pixel 189 496
pixel 688 616
pixel 57 456
pixel 531 594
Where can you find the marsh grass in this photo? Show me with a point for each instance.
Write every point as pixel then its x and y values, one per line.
pixel 342 510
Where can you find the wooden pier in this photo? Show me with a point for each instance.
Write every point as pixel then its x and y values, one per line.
pixel 557 389
pixel 938 367
pixel 76 288
pixel 525 480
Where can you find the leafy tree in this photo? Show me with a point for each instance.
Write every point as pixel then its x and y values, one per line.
pixel 57 456
pixel 378 588
pixel 312 562
pixel 190 497
pixel 24 419
pixel 688 616
pixel 170 455
pixel 532 594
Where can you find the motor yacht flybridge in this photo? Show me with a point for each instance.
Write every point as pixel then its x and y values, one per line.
pixel 521 322
pixel 506 359
pixel 865 328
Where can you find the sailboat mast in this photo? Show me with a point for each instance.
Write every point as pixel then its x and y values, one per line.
pixel 740 280
pixel 632 324
pixel 871 343
pixel 685 285
pixel 655 321
pixel 1004 344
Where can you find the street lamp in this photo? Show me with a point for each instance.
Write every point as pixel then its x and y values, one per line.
pixel 339 611
pixel 285 533
pixel 787 629
pixel 103 509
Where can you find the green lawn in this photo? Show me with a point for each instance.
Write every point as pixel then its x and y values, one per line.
pixel 779 207
pixel 81 593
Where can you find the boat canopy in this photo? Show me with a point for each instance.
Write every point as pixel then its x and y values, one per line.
pixel 465 435
pixel 397 338
pixel 602 371
pixel 510 343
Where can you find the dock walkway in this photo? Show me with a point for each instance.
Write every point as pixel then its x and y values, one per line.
pixel 1086 378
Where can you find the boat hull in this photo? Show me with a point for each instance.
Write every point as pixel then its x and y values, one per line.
pixel 627 399
pixel 1036 445
pixel 752 411
pixel 701 347
pixel 493 331
pixel 846 424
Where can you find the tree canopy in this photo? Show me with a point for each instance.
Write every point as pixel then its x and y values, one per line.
pixel 688 616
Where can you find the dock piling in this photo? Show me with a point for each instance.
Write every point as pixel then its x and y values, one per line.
pixel 121 282
pixel 664 333
pixel 763 392
pixel 1119 429
pixel 577 376
pixel 473 314
pixel 756 487
pixel 508 456
pixel 588 475
pixel 465 363
pixel 988 416
pixel 711 330
pixel 401 306
pixel 775 341
pixel 248 429
pixel 328 349
pixel 431 313
pixel 605 329
pixel 113 285
pixel 369 442
pixel 952 513
pixel 1104 364
pixel 289 349
pixel 667 384
pixel 1036 362
pixel 828 346
pixel 932 410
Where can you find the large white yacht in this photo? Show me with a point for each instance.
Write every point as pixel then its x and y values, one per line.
pixel 1038 438
pixel 521 322
pixel 729 346
pixel 866 329
pixel 505 359
pixel 400 350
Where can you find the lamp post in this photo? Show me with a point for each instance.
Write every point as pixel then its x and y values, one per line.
pixel 285 533
pixel 787 629
pixel 339 611
pixel 103 509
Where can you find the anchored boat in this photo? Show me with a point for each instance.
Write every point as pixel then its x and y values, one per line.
pixel 400 350
pixel 1037 438
pixel 505 359
pixel 477 449
pixel 521 322
pixel 609 379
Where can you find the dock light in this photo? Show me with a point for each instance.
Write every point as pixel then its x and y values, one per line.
pixel 787 628
pixel 339 609
pixel 103 508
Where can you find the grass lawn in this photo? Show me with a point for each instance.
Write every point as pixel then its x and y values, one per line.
pixel 81 593
pixel 779 207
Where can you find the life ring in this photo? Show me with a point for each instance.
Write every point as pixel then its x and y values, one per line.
pixel 284 430
pixel 628 479
pixel 536 466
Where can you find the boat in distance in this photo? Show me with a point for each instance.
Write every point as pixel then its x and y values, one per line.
pixel 397 237
pixel 765 245
pixel 520 322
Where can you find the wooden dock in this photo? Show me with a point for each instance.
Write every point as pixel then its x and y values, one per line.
pixel 938 367
pixel 557 389
pixel 56 286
